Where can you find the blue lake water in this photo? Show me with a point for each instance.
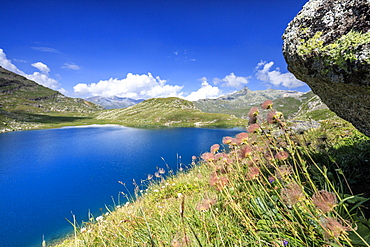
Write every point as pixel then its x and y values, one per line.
pixel 48 175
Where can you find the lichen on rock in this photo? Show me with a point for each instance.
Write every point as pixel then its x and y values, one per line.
pixel 327 45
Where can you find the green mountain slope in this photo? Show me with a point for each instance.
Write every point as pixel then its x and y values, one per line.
pixel 25 104
pixel 168 112
pixel 240 102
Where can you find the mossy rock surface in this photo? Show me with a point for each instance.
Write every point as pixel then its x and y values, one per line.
pixel 327 45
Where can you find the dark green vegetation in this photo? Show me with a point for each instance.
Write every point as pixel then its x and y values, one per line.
pixel 273 186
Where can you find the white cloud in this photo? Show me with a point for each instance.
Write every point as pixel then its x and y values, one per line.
pixel 41 78
pixel 42 67
pixel 133 86
pixel 44 80
pixel 232 81
pixel 71 66
pixel 8 65
pixel 275 77
pixel 45 49
pixel 206 91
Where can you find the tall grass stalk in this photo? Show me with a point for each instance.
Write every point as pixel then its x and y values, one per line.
pixel 261 188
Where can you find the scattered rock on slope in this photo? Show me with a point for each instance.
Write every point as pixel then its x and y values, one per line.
pixel 327 45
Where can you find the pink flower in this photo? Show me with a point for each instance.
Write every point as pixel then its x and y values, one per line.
pixel 253 173
pixel 253 112
pixel 333 227
pixel 245 151
pixel 267 104
pixel 274 116
pixel 253 128
pixel 227 140
pixel 208 157
pixel 324 200
pixel 242 137
pixel 215 148
pixel 291 194
pixel 282 155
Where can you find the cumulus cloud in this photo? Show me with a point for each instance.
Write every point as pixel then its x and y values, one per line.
pixel 232 81
pixel 205 91
pixel 133 86
pixel 41 77
pixel 275 77
pixel 42 67
pixel 71 66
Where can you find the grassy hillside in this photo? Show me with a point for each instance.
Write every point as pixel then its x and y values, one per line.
pixel 168 112
pixel 277 189
pixel 24 104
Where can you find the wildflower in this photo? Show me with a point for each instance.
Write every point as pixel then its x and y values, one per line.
pixel 283 171
pixel 253 112
pixel 245 151
pixel 333 227
pixel 271 179
pixel 83 229
pixel 242 137
pixel 156 190
pixel 218 181
pixel 206 204
pixel 324 200
pixel 219 156
pixel 274 116
pixel 268 156
pixel 285 242
pixel 150 176
pixel 226 140
pixel 157 174
pixel 127 203
pixel 161 171
pixel 252 120
pixel 291 194
pixel 253 128
pixel 282 155
pixel 208 157
pixel 215 148
pixel 267 104
pixel 99 219
pixel 253 172
pixel 179 195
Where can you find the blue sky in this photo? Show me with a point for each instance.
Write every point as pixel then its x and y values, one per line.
pixel 142 49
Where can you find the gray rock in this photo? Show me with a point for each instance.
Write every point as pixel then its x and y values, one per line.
pixel 327 45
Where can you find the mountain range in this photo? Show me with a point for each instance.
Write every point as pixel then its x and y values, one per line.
pixel 24 104
pixel 114 102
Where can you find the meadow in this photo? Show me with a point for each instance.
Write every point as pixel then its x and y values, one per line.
pixel 274 185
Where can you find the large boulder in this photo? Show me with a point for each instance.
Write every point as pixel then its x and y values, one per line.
pixel 327 45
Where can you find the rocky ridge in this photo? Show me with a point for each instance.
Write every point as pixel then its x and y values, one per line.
pixel 327 45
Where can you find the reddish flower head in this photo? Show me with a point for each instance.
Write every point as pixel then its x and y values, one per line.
pixel 267 104
pixel 324 200
pixel 227 140
pixel 242 137
pixel 215 148
pixel 253 128
pixel 282 155
pixel 253 112
pixel 274 116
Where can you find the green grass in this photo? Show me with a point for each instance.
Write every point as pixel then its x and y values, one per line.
pixel 263 190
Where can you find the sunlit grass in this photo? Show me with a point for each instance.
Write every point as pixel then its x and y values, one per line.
pixel 268 187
